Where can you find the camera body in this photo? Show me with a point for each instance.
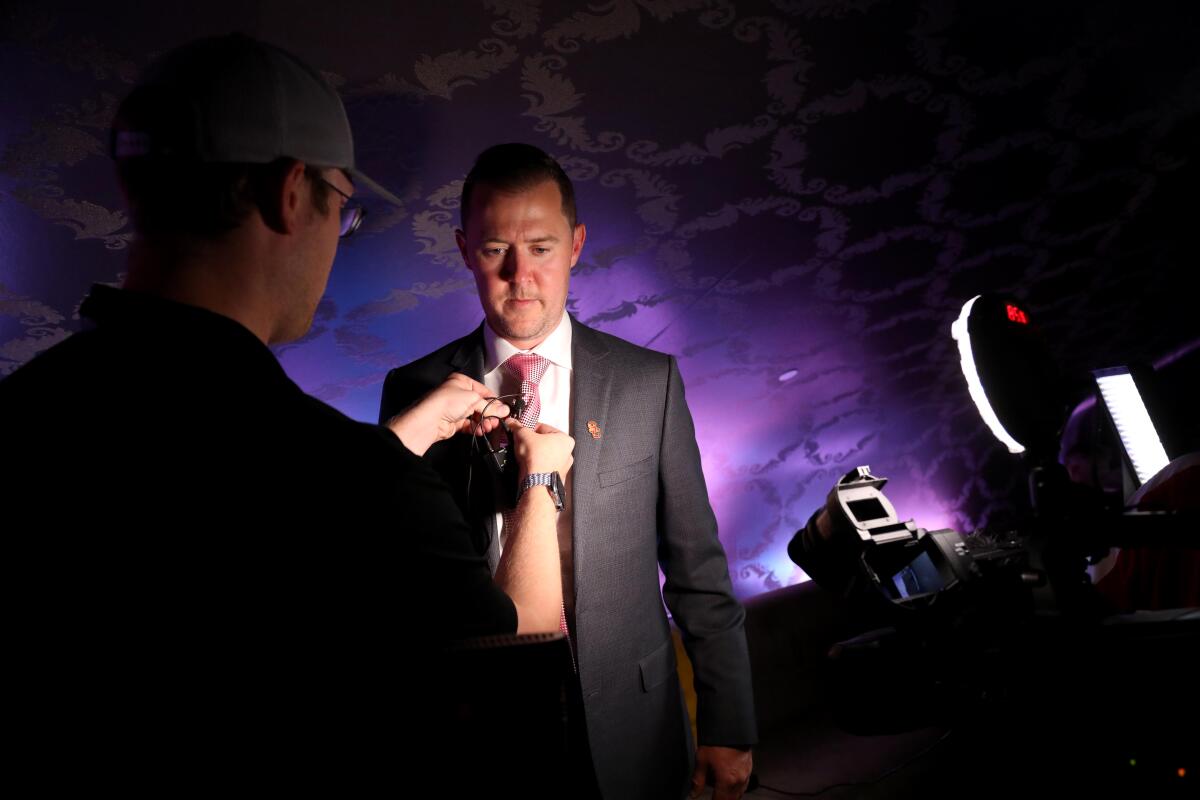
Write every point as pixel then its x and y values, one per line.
pixel 1001 636
pixel 909 567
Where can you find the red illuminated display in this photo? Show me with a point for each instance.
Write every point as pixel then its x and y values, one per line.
pixel 1016 315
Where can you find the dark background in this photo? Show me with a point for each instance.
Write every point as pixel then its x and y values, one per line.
pixel 795 198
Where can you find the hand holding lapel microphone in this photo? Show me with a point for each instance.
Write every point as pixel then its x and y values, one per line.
pixel 498 457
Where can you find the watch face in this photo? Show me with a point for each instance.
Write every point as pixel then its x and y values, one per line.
pixel 557 491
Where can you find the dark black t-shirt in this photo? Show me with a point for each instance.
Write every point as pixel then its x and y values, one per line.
pixel 193 542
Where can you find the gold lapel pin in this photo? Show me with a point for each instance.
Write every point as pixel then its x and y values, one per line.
pixel 594 428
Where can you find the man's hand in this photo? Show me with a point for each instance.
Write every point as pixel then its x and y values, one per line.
pixel 445 411
pixel 543 449
pixel 730 769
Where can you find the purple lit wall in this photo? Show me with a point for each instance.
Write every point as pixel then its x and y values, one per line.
pixel 794 197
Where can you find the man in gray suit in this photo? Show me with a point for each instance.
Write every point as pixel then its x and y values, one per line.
pixel 636 497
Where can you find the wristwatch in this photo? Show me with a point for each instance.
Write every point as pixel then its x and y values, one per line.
pixel 550 480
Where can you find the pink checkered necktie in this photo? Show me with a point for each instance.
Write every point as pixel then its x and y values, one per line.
pixel 529 369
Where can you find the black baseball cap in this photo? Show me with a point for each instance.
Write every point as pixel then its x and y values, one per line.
pixel 234 99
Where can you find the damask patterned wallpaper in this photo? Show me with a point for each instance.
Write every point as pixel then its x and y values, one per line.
pixel 793 196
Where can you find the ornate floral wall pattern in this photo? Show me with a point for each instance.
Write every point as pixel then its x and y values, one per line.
pixel 793 196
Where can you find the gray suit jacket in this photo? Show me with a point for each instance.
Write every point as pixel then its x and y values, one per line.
pixel 639 502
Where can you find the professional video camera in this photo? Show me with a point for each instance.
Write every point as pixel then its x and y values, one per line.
pixel 1006 625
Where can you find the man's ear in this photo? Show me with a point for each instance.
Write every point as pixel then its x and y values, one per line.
pixel 284 209
pixel 577 240
pixel 461 238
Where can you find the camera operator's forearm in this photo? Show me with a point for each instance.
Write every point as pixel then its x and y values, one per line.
pixel 529 570
pixel 416 434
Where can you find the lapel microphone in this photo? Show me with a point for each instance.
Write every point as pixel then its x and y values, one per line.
pixel 497 458
pixel 500 459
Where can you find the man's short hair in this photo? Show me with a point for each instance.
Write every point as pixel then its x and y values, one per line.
pixel 515 167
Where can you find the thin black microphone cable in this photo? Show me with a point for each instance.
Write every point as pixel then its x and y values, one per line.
pixel 516 406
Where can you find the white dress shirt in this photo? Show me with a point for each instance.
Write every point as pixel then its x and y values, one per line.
pixel 554 390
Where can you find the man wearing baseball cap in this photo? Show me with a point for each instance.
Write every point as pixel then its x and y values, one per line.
pixel 199 583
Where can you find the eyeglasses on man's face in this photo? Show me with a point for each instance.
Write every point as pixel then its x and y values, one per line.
pixel 352 212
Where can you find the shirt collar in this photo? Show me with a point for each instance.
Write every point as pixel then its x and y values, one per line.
pixel 556 347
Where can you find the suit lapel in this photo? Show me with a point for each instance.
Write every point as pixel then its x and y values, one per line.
pixel 468 358
pixel 591 384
